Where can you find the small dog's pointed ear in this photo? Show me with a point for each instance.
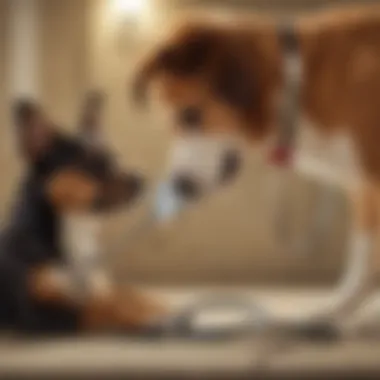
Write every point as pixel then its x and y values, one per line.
pixel 23 112
pixel 90 120
pixel 34 132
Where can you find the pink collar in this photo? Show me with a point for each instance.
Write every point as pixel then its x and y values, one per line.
pixel 281 156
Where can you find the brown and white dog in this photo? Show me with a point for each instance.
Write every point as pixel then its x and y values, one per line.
pixel 223 83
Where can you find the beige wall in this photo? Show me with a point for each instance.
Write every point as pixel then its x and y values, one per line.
pixel 9 166
pixel 3 37
pixel 3 15
pixel 224 239
pixel 63 66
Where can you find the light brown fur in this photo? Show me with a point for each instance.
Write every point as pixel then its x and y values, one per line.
pixel 341 56
pixel 71 190
pixel 234 74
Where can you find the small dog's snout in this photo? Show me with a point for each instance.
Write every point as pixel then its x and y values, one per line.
pixel 134 184
pixel 186 186
pixel 119 191
pixel 231 164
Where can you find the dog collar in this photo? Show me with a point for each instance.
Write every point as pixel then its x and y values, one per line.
pixel 282 152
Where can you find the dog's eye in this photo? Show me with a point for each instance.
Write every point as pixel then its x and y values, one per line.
pixel 190 117
pixel 98 165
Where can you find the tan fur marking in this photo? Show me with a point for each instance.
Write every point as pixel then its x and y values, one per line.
pixel 44 286
pixel 72 191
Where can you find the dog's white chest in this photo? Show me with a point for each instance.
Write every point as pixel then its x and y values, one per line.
pixel 81 239
pixel 332 160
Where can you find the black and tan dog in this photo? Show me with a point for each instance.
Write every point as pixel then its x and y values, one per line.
pixel 64 175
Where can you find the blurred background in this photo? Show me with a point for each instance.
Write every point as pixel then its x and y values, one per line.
pixel 57 50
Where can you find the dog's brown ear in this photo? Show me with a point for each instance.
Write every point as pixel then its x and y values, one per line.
pixel 187 55
pixel 151 68
pixel 233 83
pixel 34 133
pixel 238 82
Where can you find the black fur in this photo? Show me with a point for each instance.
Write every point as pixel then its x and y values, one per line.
pixel 32 237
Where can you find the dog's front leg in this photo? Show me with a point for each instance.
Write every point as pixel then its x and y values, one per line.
pixel 358 277
pixel 139 310
pixel 124 309
pixel 357 280
pixel 51 284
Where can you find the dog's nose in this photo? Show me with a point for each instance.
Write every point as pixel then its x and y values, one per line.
pixel 119 191
pixel 231 164
pixel 186 186
pixel 134 184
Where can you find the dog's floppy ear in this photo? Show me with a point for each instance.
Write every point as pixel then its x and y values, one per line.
pixel 239 84
pixel 187 55
pixel 233 84
pixel 34 133
pixel 152 67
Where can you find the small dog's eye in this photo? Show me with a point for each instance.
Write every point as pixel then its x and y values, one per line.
pixel 190 117
pixel 98 165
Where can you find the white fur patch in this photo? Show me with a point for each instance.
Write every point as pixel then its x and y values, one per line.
pixel 330 160
pixel 81 239
pixel 199 157
pixel 358 265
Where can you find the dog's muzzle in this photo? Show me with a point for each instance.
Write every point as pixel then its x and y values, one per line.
pixel 119 191
pixel 189 186
pixel 197 166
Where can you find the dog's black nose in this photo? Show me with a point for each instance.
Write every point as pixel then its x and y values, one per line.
pixel 134 184
pixel 231 164
pixel 119 191
pixel 186 186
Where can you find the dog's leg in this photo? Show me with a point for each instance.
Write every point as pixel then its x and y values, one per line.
pixel 357 280
pixel 50 284
pixel 140 309
pixel 125 309
pixel 367 322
